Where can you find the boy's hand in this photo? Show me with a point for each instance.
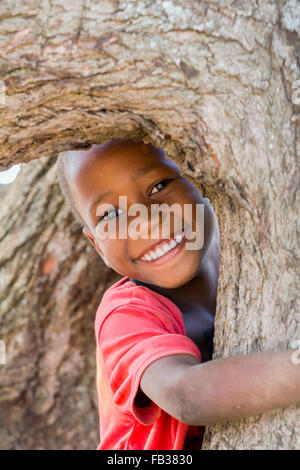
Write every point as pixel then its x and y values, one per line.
pixel 224 389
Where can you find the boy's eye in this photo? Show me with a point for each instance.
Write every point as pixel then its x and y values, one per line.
pixel 160 185
pixel 108 215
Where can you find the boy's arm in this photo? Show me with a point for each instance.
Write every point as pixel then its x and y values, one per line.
pixel 223 389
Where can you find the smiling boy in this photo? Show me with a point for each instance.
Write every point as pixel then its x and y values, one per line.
pixel 157 385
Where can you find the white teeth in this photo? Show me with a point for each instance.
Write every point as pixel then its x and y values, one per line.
pixel 152 255
pixel 166 247
pixel 178 238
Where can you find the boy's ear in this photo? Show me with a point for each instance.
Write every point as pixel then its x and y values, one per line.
pixel 91 238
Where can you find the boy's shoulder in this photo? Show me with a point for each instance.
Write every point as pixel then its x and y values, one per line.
pixel 121 293
pixel 125 293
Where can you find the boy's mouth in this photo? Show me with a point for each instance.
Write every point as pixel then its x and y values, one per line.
pixel 162 250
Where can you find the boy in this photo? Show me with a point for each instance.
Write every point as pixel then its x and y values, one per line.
pixel 157 387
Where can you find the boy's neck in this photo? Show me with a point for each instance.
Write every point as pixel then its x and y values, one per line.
pixel 201 291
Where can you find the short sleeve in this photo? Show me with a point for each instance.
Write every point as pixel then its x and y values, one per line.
pixel 130 339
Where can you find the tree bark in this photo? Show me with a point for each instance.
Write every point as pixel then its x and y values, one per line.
pixel 51 284
pixel 212 83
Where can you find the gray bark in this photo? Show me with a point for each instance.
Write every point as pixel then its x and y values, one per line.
pixel 210 82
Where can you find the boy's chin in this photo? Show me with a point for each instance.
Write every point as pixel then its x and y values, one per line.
pixel 178 278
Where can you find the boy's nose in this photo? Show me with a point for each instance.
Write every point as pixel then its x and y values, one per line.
pixel 143 226
pixel 156 223
pixel 151 226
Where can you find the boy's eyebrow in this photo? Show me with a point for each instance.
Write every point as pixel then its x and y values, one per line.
pixel 98 199
pixel 135 175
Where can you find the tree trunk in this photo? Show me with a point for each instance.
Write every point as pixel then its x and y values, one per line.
pixel 51 282
pixel 212 83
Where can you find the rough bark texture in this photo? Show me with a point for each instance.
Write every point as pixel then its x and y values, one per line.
pixel 211 82
pixel 51 284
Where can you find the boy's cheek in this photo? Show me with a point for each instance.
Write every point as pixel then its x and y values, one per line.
pixel 115 252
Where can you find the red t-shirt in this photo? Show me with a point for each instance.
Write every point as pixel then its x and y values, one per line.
pixel 135 326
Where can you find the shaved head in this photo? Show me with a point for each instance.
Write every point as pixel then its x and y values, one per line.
pixel 74 163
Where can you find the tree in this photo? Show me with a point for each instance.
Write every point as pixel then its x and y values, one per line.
pixel 212 83
pixel 52 282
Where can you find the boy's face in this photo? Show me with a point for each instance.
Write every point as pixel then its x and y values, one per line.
pixel 143 174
